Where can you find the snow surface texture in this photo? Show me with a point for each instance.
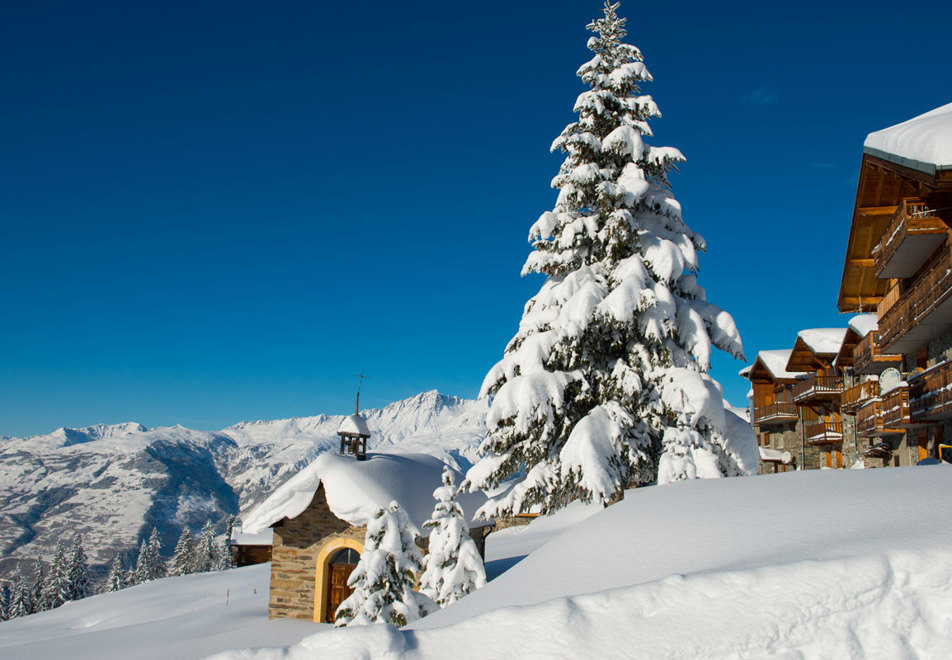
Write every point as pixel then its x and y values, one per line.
pixel 113 483
pixel 185 618
pixel 823 340
pixel 926 139
pixel 709 569
pixel 356 490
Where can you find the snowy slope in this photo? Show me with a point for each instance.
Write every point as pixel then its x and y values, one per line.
pixel 112 483
pixel 824 564
pixel 181 617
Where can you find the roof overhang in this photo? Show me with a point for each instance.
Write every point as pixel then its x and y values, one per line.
pixel 802 358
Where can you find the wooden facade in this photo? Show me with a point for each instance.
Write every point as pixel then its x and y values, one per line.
pixel 898 265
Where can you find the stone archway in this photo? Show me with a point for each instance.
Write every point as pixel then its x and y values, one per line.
pixel 335 562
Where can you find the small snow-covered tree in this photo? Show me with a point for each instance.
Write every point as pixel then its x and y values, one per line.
pixel 5 593
pixel 605 384
pixel 157 566
pixel 116 579
pixel 452 567
pixel 206 554
pixel 79 571
pixel 57 588
pixel 183 557
pixel 20 596
pixel 36 599
pixel 143 571
pixel 384 577
pixel 223 552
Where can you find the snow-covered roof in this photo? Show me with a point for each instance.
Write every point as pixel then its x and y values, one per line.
pixel 922 143
pixel 823 340
pixel 768 454
pixel 354 425
pixel 776 363
pixel 743 373
pixel 863 324
pixel 240 537
pixel 356 489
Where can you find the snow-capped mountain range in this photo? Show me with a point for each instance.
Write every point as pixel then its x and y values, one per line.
pixel 113 483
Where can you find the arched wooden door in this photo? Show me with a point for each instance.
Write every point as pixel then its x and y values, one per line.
pixel 339 569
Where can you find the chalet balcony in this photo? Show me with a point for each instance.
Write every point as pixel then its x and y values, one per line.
pixel 818 390
pixel 869 358
pixel 931 394
pixel 921 312
pixel 858 395
pixel 776 413
pixel 869 421
pixel 824 433
pixel 895 408
pixel 913 233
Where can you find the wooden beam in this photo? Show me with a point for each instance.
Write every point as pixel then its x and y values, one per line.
pixel 872 300
pixel 862 263
pixel 876 210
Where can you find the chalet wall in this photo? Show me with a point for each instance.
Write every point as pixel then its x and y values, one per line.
pixel 297 544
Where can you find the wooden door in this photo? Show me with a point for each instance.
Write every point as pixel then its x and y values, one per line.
pixel 339 591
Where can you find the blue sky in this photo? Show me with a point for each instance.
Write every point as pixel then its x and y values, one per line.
pixel 219 211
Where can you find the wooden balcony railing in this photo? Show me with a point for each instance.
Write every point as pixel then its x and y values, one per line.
pixel 913 233
pixel 779 412
pixel 890 299
pixel 895 407
pixel 818 388
pixel 931 394
pixel 824 433
pixel 921 312
pixel 859 394
pixel 869 419
pixel 868 357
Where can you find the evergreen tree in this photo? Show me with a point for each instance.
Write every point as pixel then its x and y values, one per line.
pixel 383 578
pixel 57 588
pixel 143 569
pixel 223 552
pixel 20 597
pixel 156 565
pixel 36 600
pixel 452 567
pixel 116 579
pixel 79 571
pixel 183 557
pixel 206 554
pixel 5 593
pixel 605 384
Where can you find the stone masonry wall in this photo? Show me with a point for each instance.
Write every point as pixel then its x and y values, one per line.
pixel 297 543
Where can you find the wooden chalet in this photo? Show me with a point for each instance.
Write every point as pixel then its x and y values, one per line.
pixel 898 266
pixel 319 519
pixel 249 549
pixel 818 395
pixel 774 416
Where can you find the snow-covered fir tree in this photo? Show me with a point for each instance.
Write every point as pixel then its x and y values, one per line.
pixel 223 552
pixel 155 555
pixel 21 602
pixel 183 557
pixel 79 571
pixel 384 577
pixel 57 588
pixel 37 603
pixel 605 384
pixel 116 579
pixel 452 567
pixel 5 593
pixel 206 554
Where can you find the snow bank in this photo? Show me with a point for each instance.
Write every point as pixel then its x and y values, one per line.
pixel 823 340
pixel 925 140
pixel 711 568
pixel 356 489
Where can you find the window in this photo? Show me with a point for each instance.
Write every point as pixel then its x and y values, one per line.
pixel 345 556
